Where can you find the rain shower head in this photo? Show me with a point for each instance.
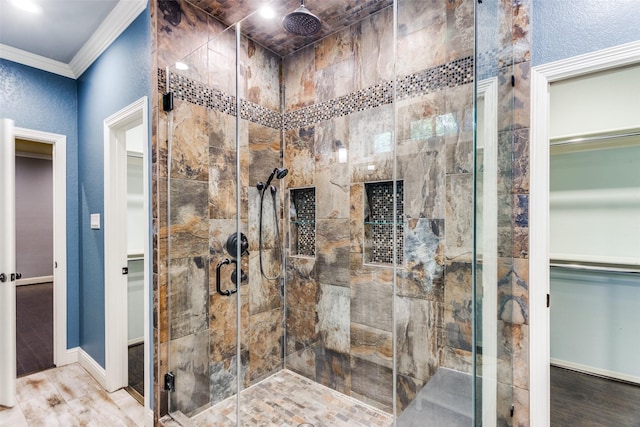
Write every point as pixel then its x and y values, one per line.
pixel 301 22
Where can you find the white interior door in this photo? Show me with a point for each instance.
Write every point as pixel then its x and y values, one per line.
pixel 7 265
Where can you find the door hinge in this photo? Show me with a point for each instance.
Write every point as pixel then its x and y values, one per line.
pixel 512 410
pixel 513 80
pixel 167 101
pixel 125 270
pixel 169 382
pixel 55 264
pixel 548 300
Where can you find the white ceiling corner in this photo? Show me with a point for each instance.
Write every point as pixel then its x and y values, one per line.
pixel 122 15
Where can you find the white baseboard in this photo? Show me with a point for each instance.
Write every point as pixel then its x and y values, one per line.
pixel 148 418
pixel 135 341
pixel 68 357
pixel 34 280
pixel 92 367
pixel 595 371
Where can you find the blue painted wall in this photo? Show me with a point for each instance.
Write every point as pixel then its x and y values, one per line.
pixel 43 101
pixel 562 29
pixel 119 77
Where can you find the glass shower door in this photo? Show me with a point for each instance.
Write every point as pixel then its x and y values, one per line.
pixel 498 316
pixel 201 213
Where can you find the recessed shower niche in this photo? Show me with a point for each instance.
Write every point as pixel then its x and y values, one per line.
pixel 303 221
pixel 379 222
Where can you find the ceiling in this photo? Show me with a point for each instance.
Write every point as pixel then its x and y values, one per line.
pixel 334 15
pixel 66 36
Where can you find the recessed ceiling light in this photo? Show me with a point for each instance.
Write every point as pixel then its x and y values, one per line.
pixel 181 66
pixel 27 6
pixel 267 12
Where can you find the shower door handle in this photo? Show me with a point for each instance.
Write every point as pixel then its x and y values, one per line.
pixel 227 292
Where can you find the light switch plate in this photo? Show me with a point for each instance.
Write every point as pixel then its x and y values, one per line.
pixel 95 221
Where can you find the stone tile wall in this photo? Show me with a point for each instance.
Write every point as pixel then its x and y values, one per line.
pixel 339 308
pixel 339 93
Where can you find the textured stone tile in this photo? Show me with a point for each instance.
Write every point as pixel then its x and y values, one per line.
pixel 371 144
pixel 418 344
pixel 223 325
pixel 356 219
pixel 521 161
pixel 181 28
pixel 422 26
pixel 460 29
pixel 372 382
pixel 423 276
pixel 264 294
pixel 521 30
pixel 521 96
pixel 407 390
pixel 332 251
pixel 459 360
pixel 223 377
pixel 373 45
pixel 265 340
pixel 263 72
pixel 287 399
pixel 373 345
pixel 190 143
pixel 222 183
pixel 222 59
pixel 333 317
pixel 299 157
pixel 301 329
pixel 459 217
pixel 189 296
pixel 421 166
pixel 189 226
pixel 299 78
pixel 189 358
pixel 458 306
pixel 372 304
pixel 264 149
pixel 301 284
pixel 333 369
pixel 302 362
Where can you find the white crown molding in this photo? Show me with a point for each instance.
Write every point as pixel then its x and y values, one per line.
pixel 114 24
pixel 36 61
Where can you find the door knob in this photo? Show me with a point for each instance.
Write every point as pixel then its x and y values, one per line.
pixel 18 276
pixel 3 277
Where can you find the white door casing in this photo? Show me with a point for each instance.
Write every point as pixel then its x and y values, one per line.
pixel 61 356
pixel 7 265
pixel 115 243
pixel 539 335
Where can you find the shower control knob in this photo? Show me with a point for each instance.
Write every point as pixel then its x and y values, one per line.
pixel 232 244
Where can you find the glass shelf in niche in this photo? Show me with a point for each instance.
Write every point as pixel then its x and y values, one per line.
pixel 384 223
pixel 303 222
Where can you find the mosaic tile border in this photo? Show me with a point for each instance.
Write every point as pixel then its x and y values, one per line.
pixel 451 74
pixel 197 93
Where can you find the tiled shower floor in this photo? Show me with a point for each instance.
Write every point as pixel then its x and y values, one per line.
pixel 287 399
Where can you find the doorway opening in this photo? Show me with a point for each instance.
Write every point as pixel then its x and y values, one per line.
pixel 34 256
pixel 126 222
pixel 556 266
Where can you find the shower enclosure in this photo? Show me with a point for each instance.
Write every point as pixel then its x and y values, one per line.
pixel 378 259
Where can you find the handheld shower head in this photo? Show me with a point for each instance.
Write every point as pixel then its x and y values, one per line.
pixel 277 173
